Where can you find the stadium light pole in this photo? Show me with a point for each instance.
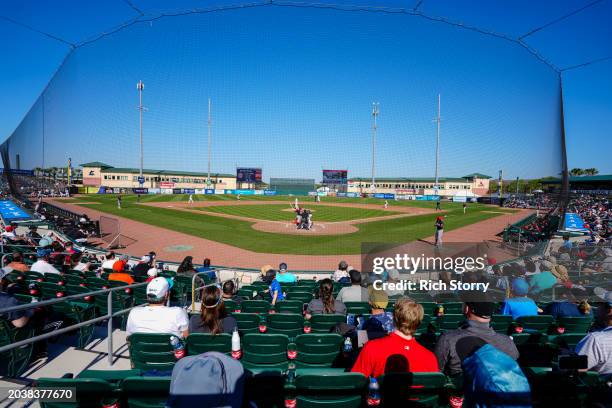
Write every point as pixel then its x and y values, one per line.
pixel 140 87
pixel 375 113
pixel 437 146
pixel 208 183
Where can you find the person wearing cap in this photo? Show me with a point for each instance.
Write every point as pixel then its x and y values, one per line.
pixel 478 309
pixel 155 316
pixel 597 345
pixel 355 292
pixel 120 273
pixel 439 225
pixel 141 269
pixel 109 261
pixel 42 264
pixel 283 276
pixel 151 274
pixel 381 322
pixel 341 273
pixel 519 304
pixel 120 265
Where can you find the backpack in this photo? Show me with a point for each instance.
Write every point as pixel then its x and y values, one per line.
pixel 492 379
pixel 207 380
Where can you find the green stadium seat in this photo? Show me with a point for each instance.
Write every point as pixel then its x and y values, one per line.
pixel 574 325
pixel 89 392
pixel 97 283
pixel 289 306
pixel 317 350
pixel 139 295
pixel 265 387
pixel 151 351
pixel 357 307
pixel 181 291
pixel 198 343
pixel 304 297
pixel 21 298
pixel 452 307
pixel 535 324
pixel 73 279
pixel 34 276
pixel 52 285
pixel 413 390
pixel 330 389
pixel 449 321
pixel 245 293
pixel 15 361
pixel 255 306
pixel 264 350
pixel 290 324
pixel 76 290
pixel 247 322
pixel 231 305
pixel 424 326
pixel 420 297
pixel 501 323
pixel 145 392
pixel 567 341
pixel 120 301
pixel 323 323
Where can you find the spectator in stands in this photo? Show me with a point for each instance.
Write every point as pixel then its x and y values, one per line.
pixel 264 271
pixel 19 318
pixel 229 292
pixel 120 275
pixel 520 305
pixel 399 351
pixel 274 288
pixel 213 318
pixel 325 303
pixel 186 267
pixel 80 263
pixel 393 276
pixel 478 309
pixel 151 274
pixel 140 270
pixel 597 345
pixel 341 274
pixel 284 276
pixel 572 303
pixel 109 262
pixel 33 234
pixel 17 263
pixel 380 322
pixel 543 280
pixel 9 233
pixel 355 292
pixel 210 272
pixel 156 317
pixel 42 265
pixel 121 265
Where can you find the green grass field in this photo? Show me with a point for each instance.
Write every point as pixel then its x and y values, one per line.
pixel 240 234
pixel 282 212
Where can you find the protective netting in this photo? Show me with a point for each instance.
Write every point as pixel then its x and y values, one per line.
pixel 292 86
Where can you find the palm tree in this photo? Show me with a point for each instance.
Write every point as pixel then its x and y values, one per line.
pixel 576 172
pixel 591 171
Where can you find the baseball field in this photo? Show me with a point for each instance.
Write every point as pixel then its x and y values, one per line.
pixel 264 224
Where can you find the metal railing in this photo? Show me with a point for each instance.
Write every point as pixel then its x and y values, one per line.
pixel 108 316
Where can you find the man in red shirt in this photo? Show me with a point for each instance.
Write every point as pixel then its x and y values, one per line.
pixel 399 351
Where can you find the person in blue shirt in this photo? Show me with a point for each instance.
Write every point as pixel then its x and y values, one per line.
pixel 274 287
pixel 569 304
pixel 283 276
pixel 210 272
pixel 519 304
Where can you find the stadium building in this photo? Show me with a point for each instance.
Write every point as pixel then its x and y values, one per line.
pixel 97 174
pixel 472 185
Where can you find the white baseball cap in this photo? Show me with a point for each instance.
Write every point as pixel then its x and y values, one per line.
pixel 152 272
pixel 158 288
pixel 146 259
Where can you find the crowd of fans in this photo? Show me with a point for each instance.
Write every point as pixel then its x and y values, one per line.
pixel 537 201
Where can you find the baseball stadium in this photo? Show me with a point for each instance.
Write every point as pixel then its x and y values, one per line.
pixel 305 204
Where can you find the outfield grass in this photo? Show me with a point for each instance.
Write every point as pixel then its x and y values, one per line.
pixel 240 234
pixel 282 212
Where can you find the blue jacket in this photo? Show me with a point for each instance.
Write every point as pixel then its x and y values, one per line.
pixel 492 379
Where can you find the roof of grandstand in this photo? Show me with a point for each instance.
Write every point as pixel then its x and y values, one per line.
pixel 581 179
pixel 416 179
pixel 105 168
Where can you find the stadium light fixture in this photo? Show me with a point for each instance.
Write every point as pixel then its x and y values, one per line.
pixel 140 87
pixel 375 114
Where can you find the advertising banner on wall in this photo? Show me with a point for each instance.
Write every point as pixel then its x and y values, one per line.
pixel 352 195
pixel 154 191
pixel 460 199
pixel 269 192
pixel 220 192
pixel 140 190
pixel 259 192
pixel 427 197
pixel 335 176
pixel 245 192
pixel 209 191
pixel 248 175
pixel 166 184
pixel 177 191
pixel 189 191
pixel 166 191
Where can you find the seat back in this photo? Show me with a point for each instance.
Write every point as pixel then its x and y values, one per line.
pixel 247 322
pixel 453 307
pixel 255 306
pixel 198 343
pixel 575 324
pixel 89 392
pixel 49 290
pixel 567 341
pixel 145 392
pixel 412 389
pixel 289 306
pixel 303 297
pixel 449 321
pixel 290 324
pixel 501 323
pixel 264 350
pixel 317 350
pixel 322 323
pixel 72 279
pixel 151 351
pixel 231 305
pixel 357 307
pixel 535 324
pixel 327 389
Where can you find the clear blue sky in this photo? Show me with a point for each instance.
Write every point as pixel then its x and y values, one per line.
pixel 292 89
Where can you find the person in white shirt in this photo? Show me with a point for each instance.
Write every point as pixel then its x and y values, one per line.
pixel 597 345
pixel 156 317
pixel 355 292
pixel 42 265
pixel 341 272
pixel 190 198
pixel 110 260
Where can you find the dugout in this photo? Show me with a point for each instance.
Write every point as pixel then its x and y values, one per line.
pixel 293 186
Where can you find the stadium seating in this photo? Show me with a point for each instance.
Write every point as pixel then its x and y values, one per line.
pixel 578 325
pixel 231 305
pixel 303 297
pixel 449 321
pixel 317 350
pixel 501 323
pixel 255 306
pixel 289 306
pixel 89 392
pixel 413 389
pixel 151 351
pixel 289 324
pixel 535 324
pixel 357 307
pixel 264 350
pixel 14 362
pixel 323 323
pixel 247 322
pixel 198 343
pixel 327 389
pixel 145 392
